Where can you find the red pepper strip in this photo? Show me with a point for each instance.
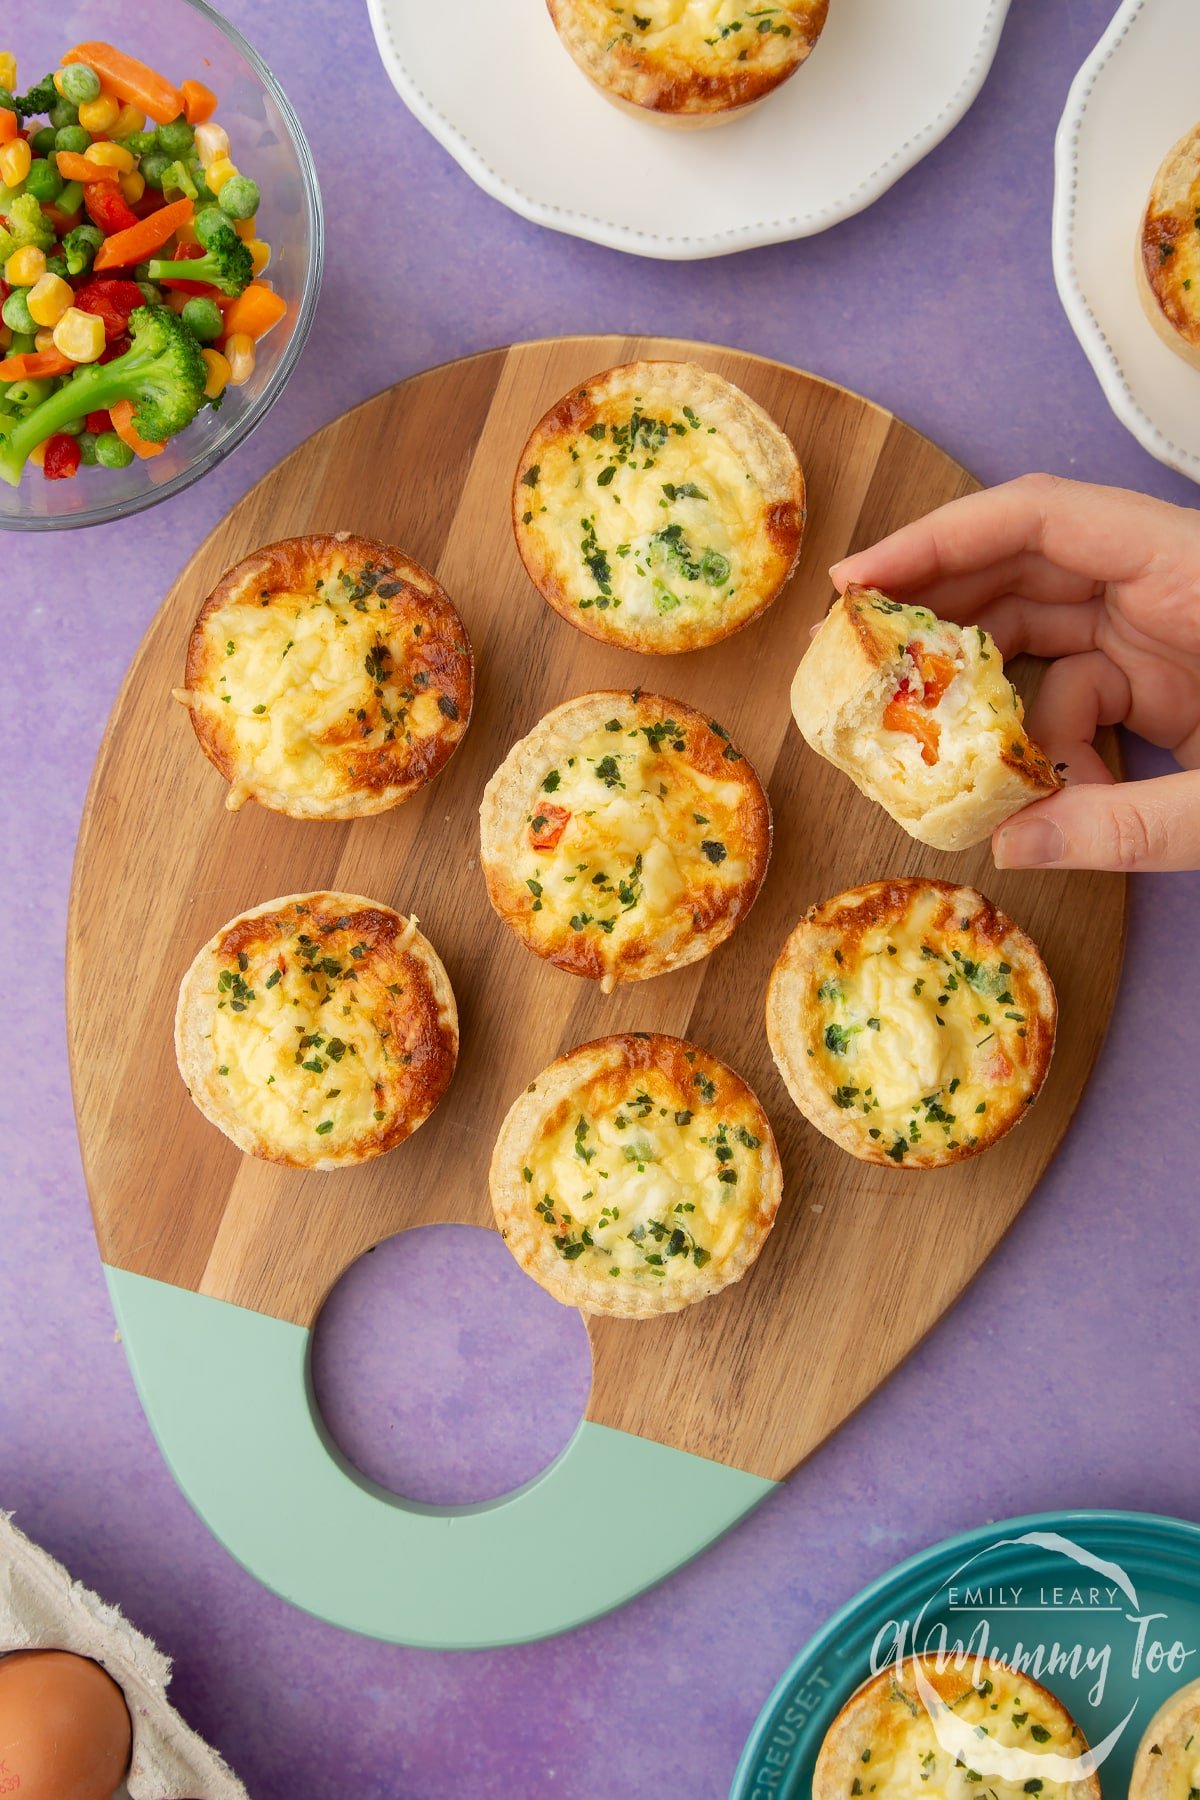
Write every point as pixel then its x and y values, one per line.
pixel 99 421
pixel 106 207
pixel 549 823
pixel 62 457
pixel 112 301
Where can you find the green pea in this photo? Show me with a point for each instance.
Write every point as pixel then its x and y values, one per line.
pixel 43 140
pixel 153 166
pixel 23 344
pixel 78 84
pixel 43 180
pixel 72 137
pixel 203 318
pixel 151 295
pixel 87 448
pixel 207 222
pixel 112 452
pixel 63 114
pixel 138 142
pixel 16 314
pixel 73 427
pixel 240 197
pixel 176 138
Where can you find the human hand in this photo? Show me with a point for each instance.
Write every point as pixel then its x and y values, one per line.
pixel 1108 583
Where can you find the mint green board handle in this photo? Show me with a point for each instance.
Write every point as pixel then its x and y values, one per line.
pixel 228 1395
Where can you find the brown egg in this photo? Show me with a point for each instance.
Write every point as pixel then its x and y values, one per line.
pixel 64 1727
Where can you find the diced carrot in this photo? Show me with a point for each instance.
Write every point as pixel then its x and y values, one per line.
pixel 122 420
pixel 61 221
pixel 199 102
pixel 130 80
pixel 254 311
pixel 903 714
pixel 33 363
pixel 8 125
pixel 72 166
pixel 140 241
pixel 937 672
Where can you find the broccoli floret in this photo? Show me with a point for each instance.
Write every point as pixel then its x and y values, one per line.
pixel 162 372
pixel 39 99
pixel 226 264
pixel 27 224
pixel 80 247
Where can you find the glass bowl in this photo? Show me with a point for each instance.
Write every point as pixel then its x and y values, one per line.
pixel 186 38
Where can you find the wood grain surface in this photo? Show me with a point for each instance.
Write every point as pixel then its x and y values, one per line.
pixel 862 1260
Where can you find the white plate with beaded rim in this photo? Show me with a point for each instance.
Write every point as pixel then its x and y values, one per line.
pixel 885 84
pixel 1132 100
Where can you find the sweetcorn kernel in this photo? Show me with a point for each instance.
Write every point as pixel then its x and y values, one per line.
pixel 132 186
pixel 15 159
pixel 219 373
pixel 101 114
pixel 25 266
pixel 112 156
pixel 49 298
pixel 239 353
pixel 37 455
pixel 127 121
pixel 212 141
pixel 79 335
pixel 245 229
pixel 43 339
pixel 8 70
pixel 219 171
pixel 260 254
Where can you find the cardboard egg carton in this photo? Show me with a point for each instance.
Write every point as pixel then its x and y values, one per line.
pixel 41 1608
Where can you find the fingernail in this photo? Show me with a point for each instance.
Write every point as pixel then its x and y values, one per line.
pixel 1034 844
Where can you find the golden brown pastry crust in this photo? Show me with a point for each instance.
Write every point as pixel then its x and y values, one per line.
pixel 676 75
pixel 1168 250
pixel 370 992
pixel 960 982
pixel 714 822
pixel 987 767
pixel 403 696
pixel 568 475
pixel 608 1099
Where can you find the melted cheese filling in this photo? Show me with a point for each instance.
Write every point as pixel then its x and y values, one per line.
pixel 306 677
pixel 904 1759
pixel 649 517
pixel 644 828
pixel 978 714
pixel 708 34
pixel 647 1187
pixel 922 1035
pixel 296 1045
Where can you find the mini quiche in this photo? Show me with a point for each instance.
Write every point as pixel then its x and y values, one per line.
pixel 1167 1763
pixel 688 62
pixel 635 1175
pixel 983 1733
pixel 912 1021
pixel 1168 257
pixel 318 1030
pixel 657 507
pixel 624 836
pixel 328 677
pixel 917 711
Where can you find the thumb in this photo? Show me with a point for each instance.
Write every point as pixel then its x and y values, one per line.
pixel 1132 825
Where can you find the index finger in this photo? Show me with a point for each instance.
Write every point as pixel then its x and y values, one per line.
pixel 1089 534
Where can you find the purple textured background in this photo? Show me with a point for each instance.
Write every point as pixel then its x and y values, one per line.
pixel 1066 1377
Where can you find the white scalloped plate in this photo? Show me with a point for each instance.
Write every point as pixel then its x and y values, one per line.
pixel 1134 97
pixel 887 82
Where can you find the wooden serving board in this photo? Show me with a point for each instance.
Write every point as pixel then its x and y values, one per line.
pixel 862 1260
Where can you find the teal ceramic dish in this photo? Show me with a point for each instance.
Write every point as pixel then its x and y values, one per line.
pixel 1117 1595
